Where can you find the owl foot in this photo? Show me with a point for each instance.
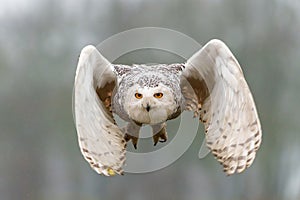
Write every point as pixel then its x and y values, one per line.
pixel 133 139
pixel 131 132
pixel 159 133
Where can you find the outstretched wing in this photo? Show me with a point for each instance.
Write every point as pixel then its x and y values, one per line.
pixel 217 90
pixel 100 139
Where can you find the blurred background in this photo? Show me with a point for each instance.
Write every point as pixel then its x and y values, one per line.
pixel 39 46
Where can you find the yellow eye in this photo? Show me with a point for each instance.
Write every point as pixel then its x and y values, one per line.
pixel 138 95
pixel 158 95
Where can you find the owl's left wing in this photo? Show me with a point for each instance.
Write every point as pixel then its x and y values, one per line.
pixel 214 86
pixel 100 139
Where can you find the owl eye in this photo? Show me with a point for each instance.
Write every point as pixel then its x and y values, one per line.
pixel 138 95
pixel 158 95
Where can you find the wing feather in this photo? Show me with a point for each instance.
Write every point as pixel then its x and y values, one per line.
pixel 100 139
pixel 228 111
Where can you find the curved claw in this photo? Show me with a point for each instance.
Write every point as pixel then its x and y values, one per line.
pixel 133 139
pixel 162 141
pixel 161 136
pixel 131 132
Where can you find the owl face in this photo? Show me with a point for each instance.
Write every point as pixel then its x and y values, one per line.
pixel 149 105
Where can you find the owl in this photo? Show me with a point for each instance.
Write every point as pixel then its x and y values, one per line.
pixel 210 84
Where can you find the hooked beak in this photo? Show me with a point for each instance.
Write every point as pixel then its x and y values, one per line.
pixel 148 107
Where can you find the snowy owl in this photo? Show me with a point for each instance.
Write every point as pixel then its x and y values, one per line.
pixel 211 84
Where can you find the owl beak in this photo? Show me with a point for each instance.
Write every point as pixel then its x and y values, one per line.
pixel 148 107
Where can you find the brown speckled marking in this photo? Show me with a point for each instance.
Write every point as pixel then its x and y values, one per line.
pixel 85 150
pixel 89 158
pixel 250 152
pixel 225 149
pixel 215 151
pixel 119 169
pixel 240 167
pixel 249 139
pixel 104 167
pixel 241 157
pixel 96 165
pixel 122 158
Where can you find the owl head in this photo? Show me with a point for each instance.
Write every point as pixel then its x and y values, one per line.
pixel 149 105
pixel 150 95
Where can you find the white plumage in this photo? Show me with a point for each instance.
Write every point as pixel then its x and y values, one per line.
pixel 211 84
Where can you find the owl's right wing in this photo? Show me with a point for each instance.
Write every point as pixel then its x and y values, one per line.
pixel 100 139
pixel 218 91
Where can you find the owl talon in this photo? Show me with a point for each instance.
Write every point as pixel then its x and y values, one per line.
pixel 133 139
pixel 131 132
pixel 161 136
pixel 162 141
